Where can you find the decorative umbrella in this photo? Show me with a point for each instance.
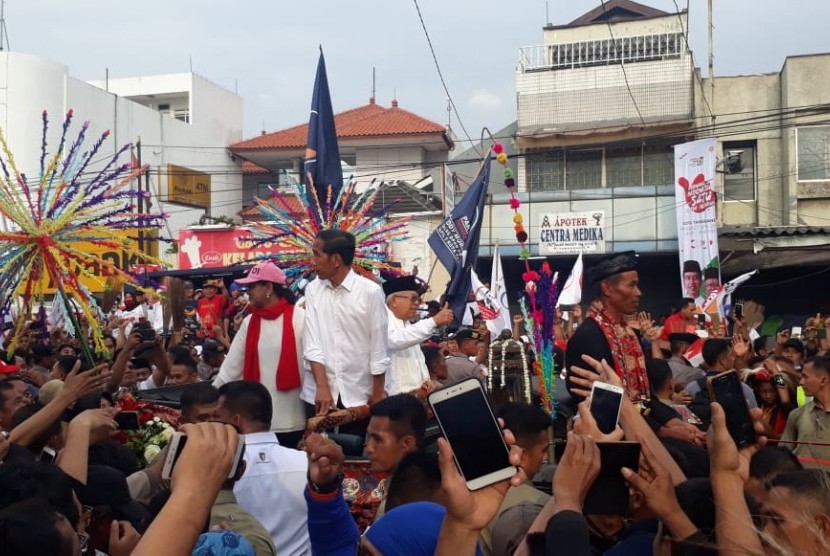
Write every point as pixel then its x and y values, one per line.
pixel 292 222
pixel 79 201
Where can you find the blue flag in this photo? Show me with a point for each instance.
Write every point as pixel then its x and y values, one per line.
pixel 455 241
pixel 322 155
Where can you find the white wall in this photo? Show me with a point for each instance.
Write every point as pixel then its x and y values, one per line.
pixel 28 85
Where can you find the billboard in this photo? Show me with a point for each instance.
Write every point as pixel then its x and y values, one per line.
pixel 697 228
pixel 188 187
pixel 217 247
pixel 572 233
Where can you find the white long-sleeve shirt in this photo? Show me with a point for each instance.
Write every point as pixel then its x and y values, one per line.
pixel 289 412
pixel 409 370
pixel 346 332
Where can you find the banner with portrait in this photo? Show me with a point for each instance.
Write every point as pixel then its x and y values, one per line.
pixel 697 228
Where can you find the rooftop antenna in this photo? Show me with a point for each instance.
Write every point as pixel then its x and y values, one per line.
pixel 4 34
pixel 547 12
pixel 374 87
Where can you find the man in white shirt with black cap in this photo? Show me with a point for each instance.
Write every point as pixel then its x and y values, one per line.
pixel 409 370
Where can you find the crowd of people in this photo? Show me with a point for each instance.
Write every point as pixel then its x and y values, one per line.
pixel 257 364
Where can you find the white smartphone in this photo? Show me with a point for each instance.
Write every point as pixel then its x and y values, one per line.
pixel 795 332
pixel 177 444
pixel 468 424
pixel 606 401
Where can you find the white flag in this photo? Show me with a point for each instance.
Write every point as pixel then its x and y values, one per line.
pixel 572 291
pixel 488 306
pixel 715 299
pixel 499 291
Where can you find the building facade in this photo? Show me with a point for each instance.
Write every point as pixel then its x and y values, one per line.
pixel 600 105
pixel 183 120
pixel 386 147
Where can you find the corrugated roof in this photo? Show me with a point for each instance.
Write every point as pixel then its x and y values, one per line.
pixel 744 231
pixel 371 120
pixel 409 198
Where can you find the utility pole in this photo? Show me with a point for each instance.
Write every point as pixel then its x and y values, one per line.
pixel 711 67
pixel 4 34
pixel 140 205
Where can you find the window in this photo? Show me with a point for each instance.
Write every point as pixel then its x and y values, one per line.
pixel 623 166
pixel 813 153
pixel 658 164
pixel 629 165
pixel 182 114
pixel 739 171
pixel 583 169
pixel 545 169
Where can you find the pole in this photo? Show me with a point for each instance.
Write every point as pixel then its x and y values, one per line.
pixel 711 66
pixel 140 205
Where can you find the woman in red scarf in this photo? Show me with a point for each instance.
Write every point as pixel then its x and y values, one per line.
pixel 268 349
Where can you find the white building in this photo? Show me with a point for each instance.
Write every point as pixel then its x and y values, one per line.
pixel 182 120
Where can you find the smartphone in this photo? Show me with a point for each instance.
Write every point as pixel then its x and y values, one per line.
pixel 48 455
pixel 606 401
pixel 701 320
pixel 795 332
pixel 177 444
pixel 127 420
pixel 727 389
pixel 609 493
pixel 739 310
pixel 467 422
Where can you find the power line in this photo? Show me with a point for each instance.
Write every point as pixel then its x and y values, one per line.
pixel 441 76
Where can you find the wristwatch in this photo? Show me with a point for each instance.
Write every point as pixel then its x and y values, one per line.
pixel 325 488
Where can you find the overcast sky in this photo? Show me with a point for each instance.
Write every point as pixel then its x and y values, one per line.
pixel 267 49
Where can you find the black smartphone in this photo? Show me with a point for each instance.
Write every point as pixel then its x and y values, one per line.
pixel 701 320
pixel 176 447
pixel 48 455
pixel 727 389
pixel 606 401
pixel 739 310
pixel 609 493
pixel 468 424
pixel 127 420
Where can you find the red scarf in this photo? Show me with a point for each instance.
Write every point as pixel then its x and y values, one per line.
pixel 629 360
pixel 288 372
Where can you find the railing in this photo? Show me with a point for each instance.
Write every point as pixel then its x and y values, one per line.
pixel 644 48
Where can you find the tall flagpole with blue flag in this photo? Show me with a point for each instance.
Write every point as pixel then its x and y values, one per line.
pixel 455 241
pixel 322 155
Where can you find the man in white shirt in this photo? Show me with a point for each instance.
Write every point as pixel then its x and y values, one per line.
pixel 409 370
pixel 275 476
pixel 345 336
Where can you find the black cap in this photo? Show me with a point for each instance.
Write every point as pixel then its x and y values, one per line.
pixel 212 347
pixel 683 337
pixel 401 284
pixel 794 343
pixel 612 264
pixel 467 334
pixel 42 350
pixel 691 266
pixel 711 272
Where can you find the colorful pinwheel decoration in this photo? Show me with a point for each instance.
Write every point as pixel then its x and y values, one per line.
pixel 293 234
pixel 79 203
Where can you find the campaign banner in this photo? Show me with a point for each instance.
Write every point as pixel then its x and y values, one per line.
pixel 697 228
pixel 218 247
pixel 572 233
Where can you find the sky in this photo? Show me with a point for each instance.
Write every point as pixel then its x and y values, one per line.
pixel 267 50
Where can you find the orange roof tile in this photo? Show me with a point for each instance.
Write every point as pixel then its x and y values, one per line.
pixel 251 169
pixel 371 120
pixel 295 206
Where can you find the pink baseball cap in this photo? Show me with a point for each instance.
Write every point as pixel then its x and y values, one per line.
pixel 263 272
